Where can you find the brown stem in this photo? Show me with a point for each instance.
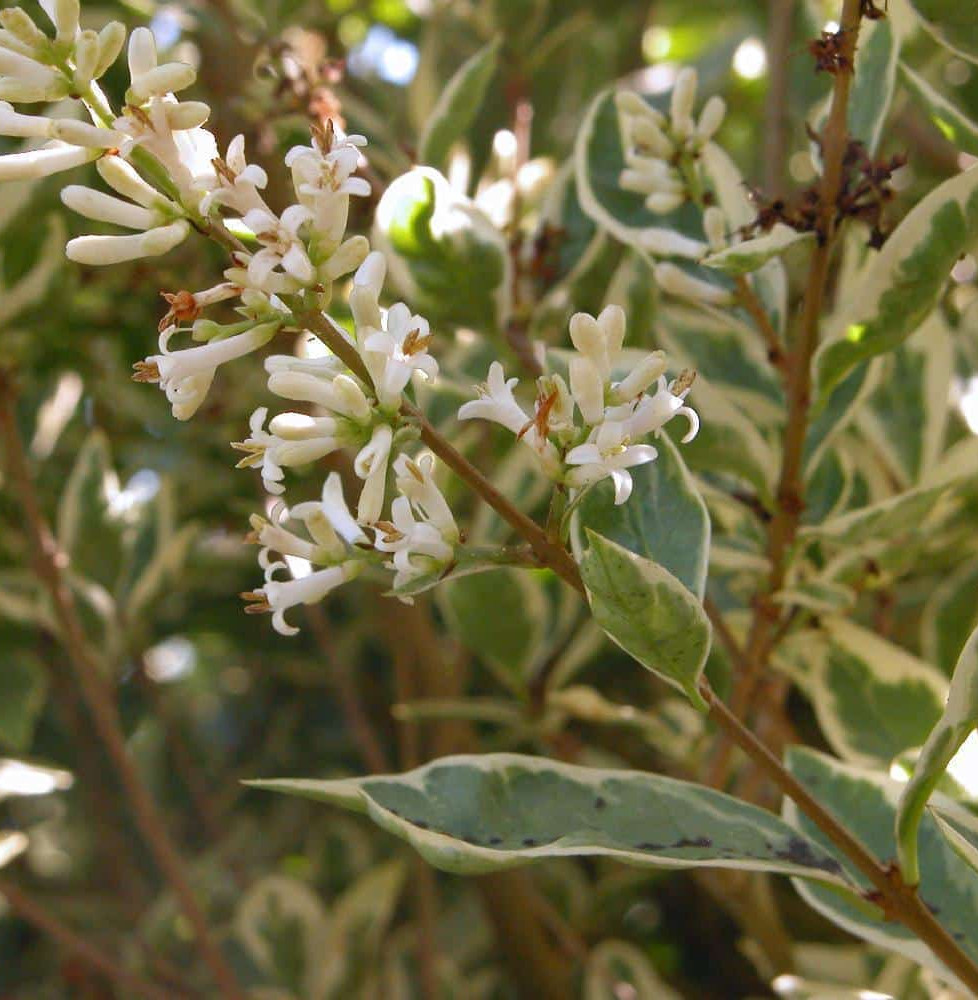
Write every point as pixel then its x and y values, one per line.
pixel 790 495
pixel 898 900
pixel 772 340
pixel 548 552
pixel 98 697
pixel 30 910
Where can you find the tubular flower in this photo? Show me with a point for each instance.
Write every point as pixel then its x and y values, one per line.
pixel 278 596
pixel 615 415
pixel 393 354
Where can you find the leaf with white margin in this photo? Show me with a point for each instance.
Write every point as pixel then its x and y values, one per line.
pixel 881 521
pixel 906 278
pixel 952 122
pixel 282 924
pixel 458 106
pixel 865 801
pixel 619 968
pixel 445 255
pixel 742 258
pixel 874 81
pixel 953 728
pixel 644 609
pixel 906 416
pixel 873 700
pixel 665 518
pixel 472 814
pixel 953 23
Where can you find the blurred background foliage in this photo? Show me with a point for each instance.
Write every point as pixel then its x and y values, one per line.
pixel 152 516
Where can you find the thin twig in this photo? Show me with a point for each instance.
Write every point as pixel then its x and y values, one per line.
pixel 34 913
pixel 98 697
pixel 898 900
pixel 772 340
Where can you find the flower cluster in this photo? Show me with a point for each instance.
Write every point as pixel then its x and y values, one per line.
pixel 614 414
pixel 345 388
pixel 659 151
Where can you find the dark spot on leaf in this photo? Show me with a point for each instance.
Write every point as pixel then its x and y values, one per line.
pixel 800 852
pixel 693 842
pixel 419 822
pixel 469 839
pixel 495 840
pixel 648 846
pixel 599 803
pixel 529 842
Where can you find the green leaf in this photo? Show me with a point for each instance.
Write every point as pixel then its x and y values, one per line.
pixel 665 520
pixel 469 559
pixel 835 412
pixel 742 258
pixel 866 802
pixel 953 23
pixel 873 700
pixel 644 609
pixel 458 106
pixel 903 283
pixel 502 617
pixel 955 725
pixel 445 256
pixel 472 814
pixel 950 615
pixel 23 692
pixel 952 122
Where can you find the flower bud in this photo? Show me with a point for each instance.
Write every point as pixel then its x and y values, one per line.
pixel 83 134
pixel 165 79
pixel 110 41
pixel 64 14
pixel 13 123
pixel 668 243
pixel 122 177
pixel 664 202
pixel 142 52
pixel 675 281
pixel 26 71
pixel 587 389
pixel 43 162
pixel 640 377
pixel 649 136
pixel 18 22
pixel 683 99
pixel 630 103
pixel 86 59
pixel 103 250
pixel 104 208
pixel 711 118
pixel 186 115
pixel 715 227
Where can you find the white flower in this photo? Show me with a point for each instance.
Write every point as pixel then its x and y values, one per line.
pixel 282 246
pixel 371 466
pixel 497 403
pixel 277 596
pixel 258 449
pixel 238 182
pixel 102 207
pixel 418 547
pixel 675 281
pixel 339 393
pixel 24 79
pixel 394 354
pixel 608 452
pixel 330 518
pixel 327 164
pixel 652 413
pixel 185 376
pixel 415 480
